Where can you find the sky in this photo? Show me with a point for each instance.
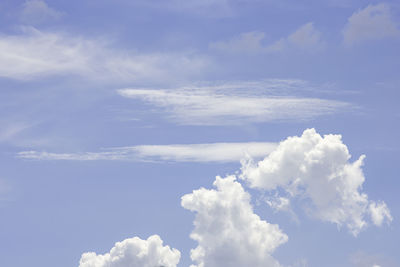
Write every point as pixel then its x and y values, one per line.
pixel 201 133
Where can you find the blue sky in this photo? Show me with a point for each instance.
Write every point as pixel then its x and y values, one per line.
pixel 117 116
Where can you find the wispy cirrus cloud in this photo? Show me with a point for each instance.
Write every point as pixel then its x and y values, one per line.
pixel 213 152
pixel 33 54
pixel 236 103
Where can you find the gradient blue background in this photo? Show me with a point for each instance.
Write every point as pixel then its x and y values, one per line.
pixel 53 211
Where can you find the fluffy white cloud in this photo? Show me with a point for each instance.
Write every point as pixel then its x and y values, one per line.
pixel 227 230
pixel 305 37
pixel 379 212
pixel 37 11
pixel 229 103
pixel 318 169
pixel 134 252
pixel 213 152
pixel 371 23
pixel 34 54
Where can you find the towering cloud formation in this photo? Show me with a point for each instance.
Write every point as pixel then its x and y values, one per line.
pixel 134 252
pixel 227 230
pixel 317 168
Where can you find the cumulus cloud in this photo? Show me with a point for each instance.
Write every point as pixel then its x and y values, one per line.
pixel 233 104
pixel 227 230
pixel 37 11
pixel 374 22
pixel 305 37
pixel 212 152
pixel 134 252
pixel 34 54
pixel 318 168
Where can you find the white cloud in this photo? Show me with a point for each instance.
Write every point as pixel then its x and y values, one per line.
pixel 37 11
pixel 306 38
pixel 379 213
pixel 34 54
pixel 318 169
pixel 227 230
pixel 212 152
pixel 374 22
pixel 134 252
pixel 279 203
pixel 232 104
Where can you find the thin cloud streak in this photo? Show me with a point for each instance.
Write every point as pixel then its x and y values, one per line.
pixel 235 104
pixel 213 152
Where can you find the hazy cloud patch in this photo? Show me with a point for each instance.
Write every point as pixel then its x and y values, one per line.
pixel 37 11
pixel 305 37
pixel 374 22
